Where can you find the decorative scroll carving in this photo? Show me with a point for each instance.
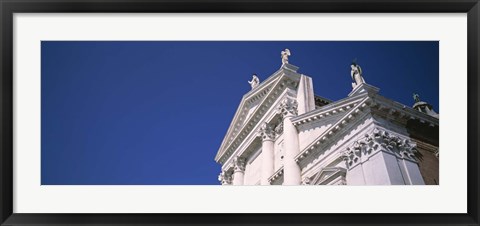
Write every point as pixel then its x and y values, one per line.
pixel 288 107
pixel 266 132
pixel 379 140
pixel 225 178
pixel 239 164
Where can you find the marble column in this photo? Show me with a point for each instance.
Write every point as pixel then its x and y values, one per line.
pixel 291 170
pixel 268 135
pixel 238 170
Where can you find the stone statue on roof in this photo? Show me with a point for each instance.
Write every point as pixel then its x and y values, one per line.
pixel 356 74
pixel 285 54
pixel 416 97
pixel 255 81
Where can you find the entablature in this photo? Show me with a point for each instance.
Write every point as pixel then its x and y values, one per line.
pixel 400 112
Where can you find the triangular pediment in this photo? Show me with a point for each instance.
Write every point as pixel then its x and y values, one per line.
pixel 327 175
pixel 253 105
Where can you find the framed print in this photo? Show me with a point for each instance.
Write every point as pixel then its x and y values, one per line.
pixel 123 112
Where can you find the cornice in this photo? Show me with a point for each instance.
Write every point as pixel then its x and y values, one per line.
pixel 330 110
pixel 400 111
pixel 277 175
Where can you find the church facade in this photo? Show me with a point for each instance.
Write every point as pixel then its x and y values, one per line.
pixel 284 134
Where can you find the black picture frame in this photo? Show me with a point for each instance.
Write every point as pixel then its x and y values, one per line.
pixel 9 7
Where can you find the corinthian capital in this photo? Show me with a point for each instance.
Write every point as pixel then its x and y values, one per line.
pixel 238 164
pixel 225 178
pixel 288 107
pixel 379 140
pixel 266 132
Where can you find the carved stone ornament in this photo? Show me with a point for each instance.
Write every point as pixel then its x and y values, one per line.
pixel 306 181
pixel 288 107
pixel 266 132
pixel 379 140
pixel 238 164
pixel 279 128
pixel 225 178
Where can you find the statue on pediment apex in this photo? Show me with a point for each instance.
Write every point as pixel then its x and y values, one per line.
pixel 416 97
pixel 356 74
pixel 255 81
pixel 285 54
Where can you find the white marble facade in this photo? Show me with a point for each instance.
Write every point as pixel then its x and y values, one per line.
pixel 282 134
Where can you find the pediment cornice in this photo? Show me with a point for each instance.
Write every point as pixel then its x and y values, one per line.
pixel 399 111
pixel 333 109
pixel 326 174
pixel 324 139
pixel 276 176
pixel 266 95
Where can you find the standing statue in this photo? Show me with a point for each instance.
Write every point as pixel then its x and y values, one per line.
pixel 416 97
pixel 356 74
pixel 255 81
pixel 285 54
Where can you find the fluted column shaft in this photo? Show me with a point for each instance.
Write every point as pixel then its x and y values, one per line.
pixel 291 170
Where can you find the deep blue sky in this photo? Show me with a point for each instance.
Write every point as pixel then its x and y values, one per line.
pixel 118 113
